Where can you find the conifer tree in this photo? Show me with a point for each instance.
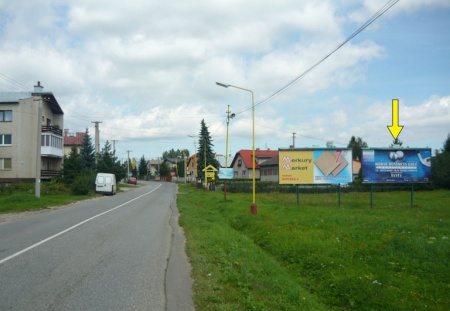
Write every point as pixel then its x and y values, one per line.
pixel 87 152
pixel 109 163
pixel 142 167
pixel 73 165
pixel 205 143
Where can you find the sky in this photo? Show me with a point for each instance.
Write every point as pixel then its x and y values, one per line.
pixel 147 70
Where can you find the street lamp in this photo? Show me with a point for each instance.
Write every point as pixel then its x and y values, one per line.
pixel 253 208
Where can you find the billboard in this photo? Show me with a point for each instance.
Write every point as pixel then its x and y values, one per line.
pixel 396 165
pixel 315 166
pixel 226 173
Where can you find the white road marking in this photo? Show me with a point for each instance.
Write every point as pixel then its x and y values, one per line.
pixel 71 228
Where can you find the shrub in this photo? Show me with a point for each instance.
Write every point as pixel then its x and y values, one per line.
pixel 83 184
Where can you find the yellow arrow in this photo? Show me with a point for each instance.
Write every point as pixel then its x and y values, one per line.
pixel 395 129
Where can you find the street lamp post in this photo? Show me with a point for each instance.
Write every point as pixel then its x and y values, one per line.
pixel 253 208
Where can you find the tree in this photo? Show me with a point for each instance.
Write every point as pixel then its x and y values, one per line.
pixel 396 143
pixel 172 154
pixel 440 166
pixel 330 144
pixel 164 169
pixel 205 147
pixel 108 163
pixel 357 144
pixel 87 152
pixel 73 165
pixel 142 167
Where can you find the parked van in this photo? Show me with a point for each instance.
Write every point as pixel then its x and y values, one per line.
pixel 105 183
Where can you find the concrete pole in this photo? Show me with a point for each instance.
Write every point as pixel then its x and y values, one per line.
pixel 37 185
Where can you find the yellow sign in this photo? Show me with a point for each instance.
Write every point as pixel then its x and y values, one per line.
pixel 296 167
pixel 210 172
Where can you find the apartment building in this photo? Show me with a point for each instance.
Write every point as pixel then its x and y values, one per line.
pixel 26 120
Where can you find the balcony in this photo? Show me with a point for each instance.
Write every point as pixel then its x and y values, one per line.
pixel 51 145
pixel 52 129
pixel 49 174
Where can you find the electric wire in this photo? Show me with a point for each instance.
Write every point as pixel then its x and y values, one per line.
pixel 374 17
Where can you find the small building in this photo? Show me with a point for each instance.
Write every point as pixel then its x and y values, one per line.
pixel 22 116
pixel 242 163
pixel 72 140
pixel 269 169
pixel 153 167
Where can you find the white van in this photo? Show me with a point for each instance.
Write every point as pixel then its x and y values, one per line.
pixel 105 183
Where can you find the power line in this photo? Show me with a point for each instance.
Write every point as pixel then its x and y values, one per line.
pixel 12 84
pixel 374 17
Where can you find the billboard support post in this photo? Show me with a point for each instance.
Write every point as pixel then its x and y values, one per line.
pixel 339 195
pixel 412 195
pixel 371 195
pixel 298 195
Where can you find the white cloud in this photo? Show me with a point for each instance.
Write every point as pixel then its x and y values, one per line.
pixel 147 69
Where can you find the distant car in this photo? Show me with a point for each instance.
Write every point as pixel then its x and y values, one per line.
pixel 132 180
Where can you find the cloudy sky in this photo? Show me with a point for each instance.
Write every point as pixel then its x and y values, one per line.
pixel 147 69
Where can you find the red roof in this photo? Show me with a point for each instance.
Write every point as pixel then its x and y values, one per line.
pixel 246 156
pixel 76 140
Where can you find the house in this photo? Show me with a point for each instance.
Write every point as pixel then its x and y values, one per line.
pixel 153 167
pixel 72 140
pixel 269 169
pixel 242 163
pixel 191 168
pixel 30 134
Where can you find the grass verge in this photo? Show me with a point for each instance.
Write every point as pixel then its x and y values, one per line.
pixel 316 256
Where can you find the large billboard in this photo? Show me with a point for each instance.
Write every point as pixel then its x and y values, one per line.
pixel 315 166
pixel 396 165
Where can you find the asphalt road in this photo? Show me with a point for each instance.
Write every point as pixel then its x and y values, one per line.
pixel 122 252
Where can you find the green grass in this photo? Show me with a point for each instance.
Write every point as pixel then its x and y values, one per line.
pixel 21 202
pixel 21 197
pixel 317 256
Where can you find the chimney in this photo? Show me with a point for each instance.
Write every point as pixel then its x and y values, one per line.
pixel 38 88
pixel 66 132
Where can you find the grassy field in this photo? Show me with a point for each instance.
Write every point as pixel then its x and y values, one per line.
pixel 316 256
pixel 21 197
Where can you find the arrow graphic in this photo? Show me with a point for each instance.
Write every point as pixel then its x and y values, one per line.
pixel 395 129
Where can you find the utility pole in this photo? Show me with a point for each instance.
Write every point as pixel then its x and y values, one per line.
pixel 293 139
pixel 114 145
pixel 128 164
pixel 97 140
pixel 37 184
pixel 226 151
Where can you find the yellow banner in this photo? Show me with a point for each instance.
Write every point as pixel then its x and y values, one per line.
pixel 296 167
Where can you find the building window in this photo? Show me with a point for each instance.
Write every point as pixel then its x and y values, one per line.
pixel 244 173
pixel 235 173
pixel 5 115
pixel 5 139
pixel 5 164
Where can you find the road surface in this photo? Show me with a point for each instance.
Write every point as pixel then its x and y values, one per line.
pixel 122 252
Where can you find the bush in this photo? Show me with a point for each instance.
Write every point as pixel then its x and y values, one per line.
pixel 83 184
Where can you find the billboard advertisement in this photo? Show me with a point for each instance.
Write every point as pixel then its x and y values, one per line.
pixel 226 173
pixel 315 166
pixel 396 165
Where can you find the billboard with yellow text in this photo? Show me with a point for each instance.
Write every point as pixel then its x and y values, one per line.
pixel 315 166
